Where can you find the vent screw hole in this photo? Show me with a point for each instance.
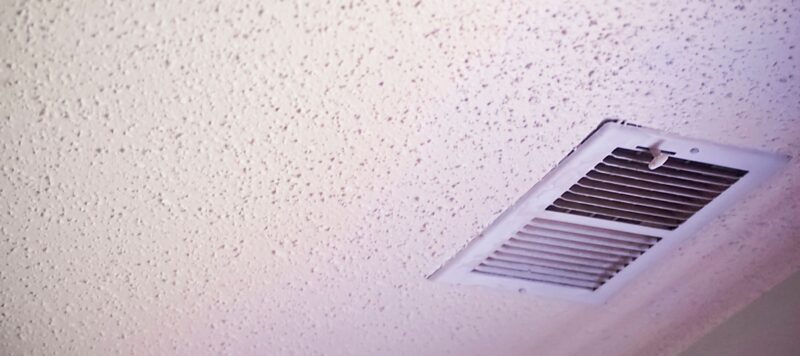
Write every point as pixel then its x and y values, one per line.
pixel 694 150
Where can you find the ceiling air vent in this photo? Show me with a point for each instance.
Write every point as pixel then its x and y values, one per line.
pixel 617 203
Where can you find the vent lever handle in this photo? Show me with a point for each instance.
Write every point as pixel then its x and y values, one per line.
pixel 659 158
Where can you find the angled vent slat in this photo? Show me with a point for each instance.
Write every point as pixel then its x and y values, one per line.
pixel 553 256
pixel 537 277
pixel 627 215
pixel 544 262
pixel 589 277
pixel 622 188
pixel 576 244
pixel 534 272
pixel 643 193
pixel 682 164
pixel 556 261
pixel 564 250
pixel 669 172
pixel 653 186
pixel 660 179
pixel 595 215
pixel 546 250
pixel 587 239
pixel 591 231
pixel 634 208
pixel 655 203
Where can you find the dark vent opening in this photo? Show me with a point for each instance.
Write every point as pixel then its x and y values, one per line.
pixel 622 188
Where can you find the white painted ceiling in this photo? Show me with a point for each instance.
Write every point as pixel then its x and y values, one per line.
pixel 278 178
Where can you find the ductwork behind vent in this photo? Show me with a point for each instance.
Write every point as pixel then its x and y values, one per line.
pixel 603 215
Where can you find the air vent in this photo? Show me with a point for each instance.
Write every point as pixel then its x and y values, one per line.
pixel 602 216
pixel 622 188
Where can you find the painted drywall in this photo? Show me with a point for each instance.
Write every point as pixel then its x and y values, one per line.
pixel 768 326
pixel 206 178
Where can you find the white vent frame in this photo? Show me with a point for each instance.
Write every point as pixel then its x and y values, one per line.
pixel 610 135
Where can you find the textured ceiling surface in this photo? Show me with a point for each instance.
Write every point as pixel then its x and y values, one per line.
pixel 279 178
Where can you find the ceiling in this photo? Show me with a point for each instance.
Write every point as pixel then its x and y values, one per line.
pixel 279 178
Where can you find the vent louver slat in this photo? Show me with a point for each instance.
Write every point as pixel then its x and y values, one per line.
pixel 536 254
pixel 660 179
pixel 682 164
pixel 572 243
pixel 566 254
pixel 622 188
pixel 626 216
pixel 643 193
pixel 589 277
pixel 560 249
pixel 649 185
pixel 588 239
pixel 655 203
pixel 589 231
pixel 537 277
pixel 544 262
pixel 669 172
pixel 635 208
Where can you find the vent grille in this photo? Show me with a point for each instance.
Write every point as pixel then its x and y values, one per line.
pixel 622 188
pixel 565 254
pixel 602 217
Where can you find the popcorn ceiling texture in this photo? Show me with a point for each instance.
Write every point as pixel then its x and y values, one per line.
pixel 278 178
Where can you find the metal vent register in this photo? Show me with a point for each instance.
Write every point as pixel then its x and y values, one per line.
pixel 618 203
